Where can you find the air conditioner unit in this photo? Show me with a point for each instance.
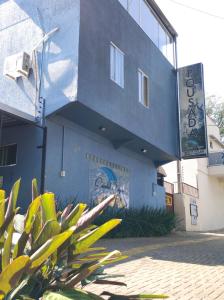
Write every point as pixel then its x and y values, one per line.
pixel 17 65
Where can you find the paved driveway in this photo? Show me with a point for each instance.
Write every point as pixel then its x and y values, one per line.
pixel 183 266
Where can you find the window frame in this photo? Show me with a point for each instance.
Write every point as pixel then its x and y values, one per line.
pixel 141 89
pixel 9 165
pixel 113 65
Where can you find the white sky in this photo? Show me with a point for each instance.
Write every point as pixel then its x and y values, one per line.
pixel 200 38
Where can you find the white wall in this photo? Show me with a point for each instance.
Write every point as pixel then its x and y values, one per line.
pixel 211 188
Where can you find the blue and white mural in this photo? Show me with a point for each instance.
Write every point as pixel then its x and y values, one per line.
pixel 105 181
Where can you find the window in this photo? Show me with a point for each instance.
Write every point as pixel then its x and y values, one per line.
pixel 116 65
pixel 8 155
pixel 143 14
pixel 143 88
pixel 124 3
pixel 134 10
pixel 211 145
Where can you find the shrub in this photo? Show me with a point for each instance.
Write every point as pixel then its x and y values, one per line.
pixel 47 254
pixel 139 222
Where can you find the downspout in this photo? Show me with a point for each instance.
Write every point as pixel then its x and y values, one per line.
pixel 43 160
pixel 179 169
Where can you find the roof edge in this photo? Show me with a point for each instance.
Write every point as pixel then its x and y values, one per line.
pixel 162 17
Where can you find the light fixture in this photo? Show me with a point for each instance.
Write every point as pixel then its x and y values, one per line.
pixel 144 150
pixel 102 128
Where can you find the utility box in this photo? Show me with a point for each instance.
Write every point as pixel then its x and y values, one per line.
pixel 17 65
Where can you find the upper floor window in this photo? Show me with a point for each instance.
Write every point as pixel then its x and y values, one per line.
pixel 116 65
pixel 143 88
pixel 152 26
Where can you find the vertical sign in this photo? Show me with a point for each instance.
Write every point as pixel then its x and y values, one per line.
pixel 193 134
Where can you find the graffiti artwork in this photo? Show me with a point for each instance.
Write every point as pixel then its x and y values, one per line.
pixel 105 181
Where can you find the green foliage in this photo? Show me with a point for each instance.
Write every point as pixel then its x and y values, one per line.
pixel 143 222
pixel 53 252
pixel 215 110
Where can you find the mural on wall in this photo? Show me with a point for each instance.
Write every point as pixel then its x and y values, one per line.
pixel 106 178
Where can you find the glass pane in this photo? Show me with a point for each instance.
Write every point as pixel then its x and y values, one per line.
pixel 149 23
pixel 163 41
pixel 145 91
pixel 122 69
pixel 112 62
pixel 170 50
pixel 140 86
pixel 134 9
pixel 119 68
pixel 124 3
pixel 8 155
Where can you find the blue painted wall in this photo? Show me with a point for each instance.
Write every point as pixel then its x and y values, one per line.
pixel 77 143
pixel 74 68
pixel 109 22
pixel 29 154
pixel 22 25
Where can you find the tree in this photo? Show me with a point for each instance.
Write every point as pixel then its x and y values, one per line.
pixel 215 110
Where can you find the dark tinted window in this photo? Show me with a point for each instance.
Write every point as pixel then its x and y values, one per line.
pixel 8 155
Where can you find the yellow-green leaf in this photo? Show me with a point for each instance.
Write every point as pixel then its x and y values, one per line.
pixel 90 268
pixel 48 207
pixel 37 226
pixel 31 214
pixel 13 198
pixel 11 275
pixel 35 193
pixel 7 246
pixel 50 247
pixel 2 207
pixel 87 218
pixel 50 229
pixel 90 238
pixel 74 216
pixel 28 224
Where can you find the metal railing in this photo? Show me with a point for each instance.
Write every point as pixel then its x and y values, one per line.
pixel 187 189
pixel 216 158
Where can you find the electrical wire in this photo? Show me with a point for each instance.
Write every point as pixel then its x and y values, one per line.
pixel 198 10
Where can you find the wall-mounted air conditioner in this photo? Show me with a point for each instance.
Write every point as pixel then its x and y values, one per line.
pixel 17 65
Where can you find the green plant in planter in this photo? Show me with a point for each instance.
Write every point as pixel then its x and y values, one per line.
pixel 48 254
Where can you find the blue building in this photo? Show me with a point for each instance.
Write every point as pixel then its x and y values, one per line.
pixel 88 98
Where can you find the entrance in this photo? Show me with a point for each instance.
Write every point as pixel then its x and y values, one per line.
pixel 169 188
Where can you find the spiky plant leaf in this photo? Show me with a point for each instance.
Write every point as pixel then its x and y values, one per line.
pixel 50 247
pixel 13 199
pixel 35 192
pixel 87 218
pixel 133 297
pixel 2 207
pixel 90 238
pixel 12 274
pixel 48 207
pixel 90 268
pixel 28 224
pixel 73 216
pixel 50 229
pixel 7 247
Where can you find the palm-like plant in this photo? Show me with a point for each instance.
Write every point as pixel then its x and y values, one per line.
pixel 48 254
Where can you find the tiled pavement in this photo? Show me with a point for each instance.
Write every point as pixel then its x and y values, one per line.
pixel 183 266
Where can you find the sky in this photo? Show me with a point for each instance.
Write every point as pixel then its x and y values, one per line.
pixel 200 38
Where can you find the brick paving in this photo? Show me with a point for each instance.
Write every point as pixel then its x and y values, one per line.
pixel 182 266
